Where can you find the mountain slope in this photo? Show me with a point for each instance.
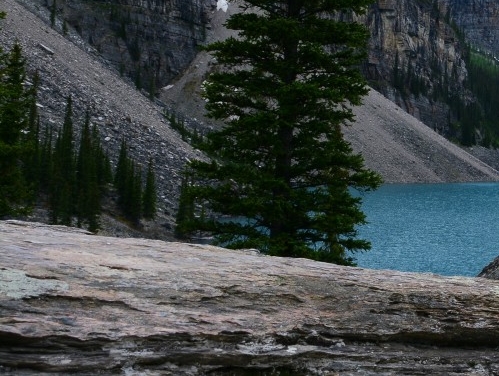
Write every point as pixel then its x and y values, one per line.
pixel 394 143
pixel 404 150
pixel 67 68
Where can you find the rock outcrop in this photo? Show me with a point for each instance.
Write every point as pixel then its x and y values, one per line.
pixel 491 271
pixel 478 20
pixel 414 41
pixel 153 42
pixel 75 303
pixel 149 41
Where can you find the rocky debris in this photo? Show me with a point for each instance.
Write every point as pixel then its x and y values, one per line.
pixel 491 271
pixel 404 150
pixel 479 21
pixel 117 108
pixel 76 303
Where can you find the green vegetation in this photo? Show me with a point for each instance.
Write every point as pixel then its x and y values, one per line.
pixel 128 182
pixel 483 75
pixel 280 165
pixel 70 176
pixel 149 195
pixel 192 136
pixel 15 108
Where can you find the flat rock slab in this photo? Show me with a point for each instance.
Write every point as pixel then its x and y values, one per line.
pixel 71 302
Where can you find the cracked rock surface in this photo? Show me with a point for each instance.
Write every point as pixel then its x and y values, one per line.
pixel 71 302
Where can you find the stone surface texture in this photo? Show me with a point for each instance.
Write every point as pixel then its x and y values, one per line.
pixel 71 302
pixel 491 271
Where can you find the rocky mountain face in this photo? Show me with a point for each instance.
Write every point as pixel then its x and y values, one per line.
pixel 412 42
pixel 478 20
pixel 148 41
pixel 73 303
pixel 414 56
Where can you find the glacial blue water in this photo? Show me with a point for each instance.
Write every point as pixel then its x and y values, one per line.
pixel 448 229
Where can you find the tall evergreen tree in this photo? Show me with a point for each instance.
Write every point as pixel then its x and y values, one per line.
pixel 63 174
pixel 87 182
pixel 31 140
pixel 281 164
pixel 128 183
pixel 15 102
pixel 149 195
pixel 120 176
pixel 104 172
pixel 185 212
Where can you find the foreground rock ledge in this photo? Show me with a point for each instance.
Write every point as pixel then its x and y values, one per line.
pixel 71 302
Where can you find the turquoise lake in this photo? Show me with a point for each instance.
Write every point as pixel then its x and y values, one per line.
pixel 448 229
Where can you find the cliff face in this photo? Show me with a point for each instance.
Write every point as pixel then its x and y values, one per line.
pixel 148 41
pixel 415 58
pixel 73 303
pixel 478 20
pixel 413 48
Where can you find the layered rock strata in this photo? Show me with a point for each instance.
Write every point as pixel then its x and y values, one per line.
pixel 75 303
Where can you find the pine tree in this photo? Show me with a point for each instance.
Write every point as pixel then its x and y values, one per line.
pixel 53 10
pixel 15 102
pixel 128 183
pixel 185 212
pixel 87 182
pixel 136 194
pixel 280 165
pixel 31 140
pixel 149 195
pixel 46 162
pixel 132 196
pixel 120 176
pixel 63 174
pixel 104 172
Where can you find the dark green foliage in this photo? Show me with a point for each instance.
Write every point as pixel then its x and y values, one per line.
pixel 87 187
pixel 149 195
pixel 31 143
pixel 62 190
pixel 280 167
pixel 33 168
pixel 185 212
pixel 103 164
pixel 15 107
pixel 46 162
pixel 121 172
pixel 483 75
pixel 134 191
pixel 194 137
pixel 75 181
pixel 53 11
pixel 128 183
